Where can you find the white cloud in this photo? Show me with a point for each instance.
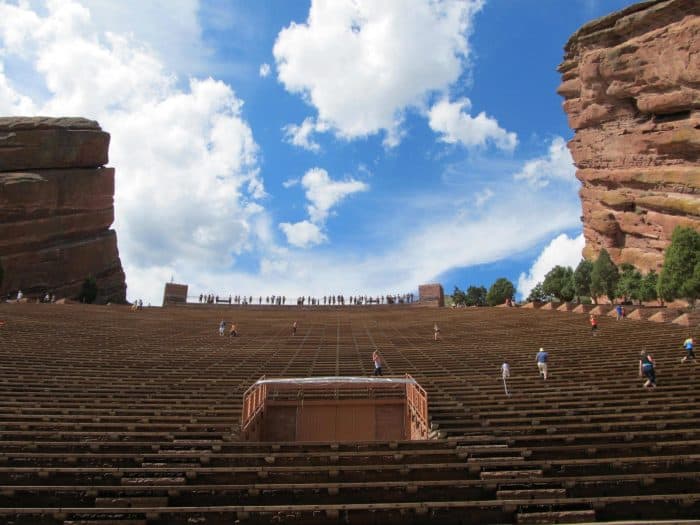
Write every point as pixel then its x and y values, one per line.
pixel 361 63
pixel 556 166
pixel 303 234
pixel 301 135
pixel 264 70
pixel 323 194
pixel 454 124
pixel 187 175
pixel 483 197
pixel 290 182
pixel 562 251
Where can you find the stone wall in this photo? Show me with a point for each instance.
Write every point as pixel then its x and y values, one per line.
pixel 56 208
pixel 631 81
pixel 174 293
pixel 431 295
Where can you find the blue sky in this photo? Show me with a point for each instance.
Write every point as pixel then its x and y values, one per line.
pixel 294 147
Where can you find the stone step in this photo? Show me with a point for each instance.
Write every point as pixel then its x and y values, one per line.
pixel 494 446
pixel 496 459
pixel 138 501
pixel 564 516
pixel 507 474
pixel 173 464
pixel 531 493
pixel 155 480
pixel 109 521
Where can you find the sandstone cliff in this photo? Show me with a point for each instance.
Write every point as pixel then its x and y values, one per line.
pixel 631 82
pixel 56 207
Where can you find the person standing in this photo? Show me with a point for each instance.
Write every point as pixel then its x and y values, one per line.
pixel 222 327
pixel 689 346
pixel 646 369
pixel 377 360
pixel 618 312
pixel 294 328
pixel 436 332
pixel 541 359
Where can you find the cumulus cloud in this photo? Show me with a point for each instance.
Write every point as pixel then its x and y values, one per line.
pixel 561 251
pixel 303 234
pixel 557 165
pixel 187 184
pixel 301 135
pixel 361 64
pixel 322 194
pixel 264 70
pixel 454 125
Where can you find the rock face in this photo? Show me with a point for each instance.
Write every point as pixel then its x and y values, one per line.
pixel 56 207
pixel 631 81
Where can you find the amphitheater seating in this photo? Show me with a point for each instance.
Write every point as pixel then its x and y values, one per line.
pixel 109 416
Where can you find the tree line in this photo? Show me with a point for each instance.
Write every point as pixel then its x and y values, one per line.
pixel 679 279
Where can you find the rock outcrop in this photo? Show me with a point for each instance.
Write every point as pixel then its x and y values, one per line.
pixel 56 208
pixel 631 81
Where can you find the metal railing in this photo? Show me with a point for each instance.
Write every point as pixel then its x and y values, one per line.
pixel 416 398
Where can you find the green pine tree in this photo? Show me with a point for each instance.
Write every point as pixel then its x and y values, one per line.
pixel 630 282
pixel 500 290
pixel 604 276
pixel 647 289
pixel 537 294
pixel 678 276
pixel 559 283
pixel 582 279
pixel 476 296
pixel 88 292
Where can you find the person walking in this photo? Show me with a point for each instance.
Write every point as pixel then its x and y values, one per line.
pixel 222 327
pixel 436 332
pixel 541 359
pixel 647 369
pixel 505 374
pixel 689 346
pixel 233 332
pixel 294 328
pixel 377 360
pixel 594 324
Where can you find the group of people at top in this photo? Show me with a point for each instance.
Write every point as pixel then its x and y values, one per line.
pixel 326 300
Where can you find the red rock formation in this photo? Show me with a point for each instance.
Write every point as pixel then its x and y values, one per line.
pixel 631 81
pixel 56 207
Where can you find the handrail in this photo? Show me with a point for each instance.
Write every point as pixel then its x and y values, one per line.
pixel 253 403
pixel 417 404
